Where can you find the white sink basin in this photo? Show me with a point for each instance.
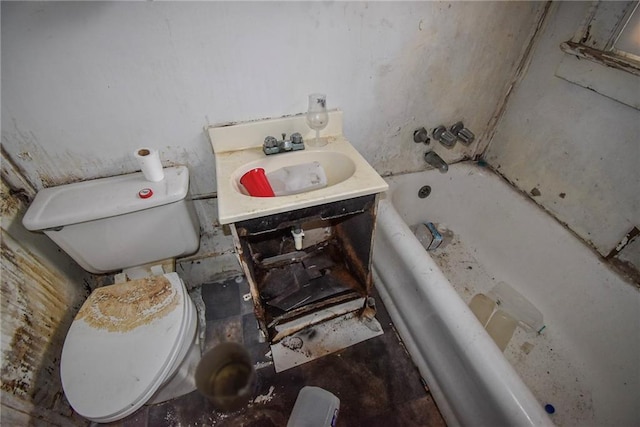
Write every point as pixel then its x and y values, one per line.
pixel 337 166
pixel 238 149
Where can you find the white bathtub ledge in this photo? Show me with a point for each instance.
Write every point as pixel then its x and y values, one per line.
pixel 470 379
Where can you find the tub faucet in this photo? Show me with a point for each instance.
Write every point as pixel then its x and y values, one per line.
pixel 445 137
pixel 464 135
pixel 432 158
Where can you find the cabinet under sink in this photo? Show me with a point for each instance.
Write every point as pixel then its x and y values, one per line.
pixel 331 271
pixel 307 256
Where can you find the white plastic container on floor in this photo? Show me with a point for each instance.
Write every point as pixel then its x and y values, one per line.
pixel 314 407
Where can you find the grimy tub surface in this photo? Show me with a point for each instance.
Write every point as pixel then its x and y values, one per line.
pixel 585 362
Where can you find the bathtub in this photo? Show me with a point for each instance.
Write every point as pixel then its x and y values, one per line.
pixel 585 362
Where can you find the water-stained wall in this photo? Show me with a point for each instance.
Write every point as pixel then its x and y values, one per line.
pixel 85 83
pixel 42 289
pixel 573 150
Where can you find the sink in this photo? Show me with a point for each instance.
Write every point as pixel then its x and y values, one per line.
pixel 238 149
pixel 337 166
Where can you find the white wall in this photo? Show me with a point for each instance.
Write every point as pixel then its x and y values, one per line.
pixel 85 83
pixel 578 148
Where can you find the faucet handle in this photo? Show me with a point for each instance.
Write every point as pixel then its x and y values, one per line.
pixel 296 141
pixel 462 133
pixel 421 135
pixel 296 138
pixel 445 137
pixel 270 145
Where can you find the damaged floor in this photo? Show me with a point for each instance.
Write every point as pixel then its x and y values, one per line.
pixel 375 380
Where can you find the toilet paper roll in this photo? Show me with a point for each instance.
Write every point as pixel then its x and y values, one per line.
pixel 149 161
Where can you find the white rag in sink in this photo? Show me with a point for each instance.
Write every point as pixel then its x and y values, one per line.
pixel 297 179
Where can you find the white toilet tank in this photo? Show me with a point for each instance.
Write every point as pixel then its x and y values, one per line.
pixel 113 223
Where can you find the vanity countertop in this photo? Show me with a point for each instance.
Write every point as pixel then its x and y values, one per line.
pixel 238 148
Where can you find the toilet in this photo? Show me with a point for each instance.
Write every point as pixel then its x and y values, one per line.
pixel 136 341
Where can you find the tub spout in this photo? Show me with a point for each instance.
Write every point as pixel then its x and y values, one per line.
pixel 432 158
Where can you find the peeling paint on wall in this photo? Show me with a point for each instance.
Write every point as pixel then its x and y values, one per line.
pixel 35 317
pixel 575 151
pixel 38 303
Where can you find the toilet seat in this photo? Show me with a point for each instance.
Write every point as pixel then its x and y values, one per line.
pixel 124 343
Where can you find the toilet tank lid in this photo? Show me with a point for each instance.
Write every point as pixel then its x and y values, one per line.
pixel 103 198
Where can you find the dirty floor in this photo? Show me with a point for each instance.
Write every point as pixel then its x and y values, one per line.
pixel 376 381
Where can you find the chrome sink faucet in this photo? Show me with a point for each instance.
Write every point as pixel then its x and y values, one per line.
pixel 272 146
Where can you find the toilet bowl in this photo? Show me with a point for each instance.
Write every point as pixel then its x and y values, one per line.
pixel 127 342
pixel 134 342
